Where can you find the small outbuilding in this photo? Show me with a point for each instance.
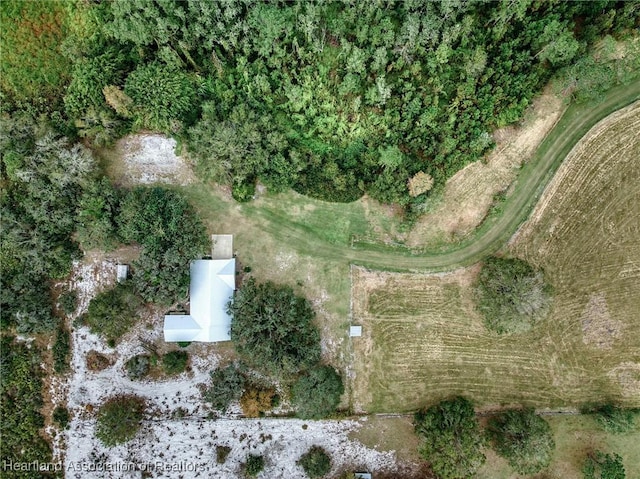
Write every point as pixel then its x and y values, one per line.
pixel 355 331
pixel 362 475
pixel 122 272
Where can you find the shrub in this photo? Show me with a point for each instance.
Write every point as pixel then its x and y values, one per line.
pixel 97 361
pixel 175 362
pixel 451 438
pixel 254 465
pixel 113 312
pixel 603 466
pixel 315 462
pixel 119 419
pixel 226 386
pixel 61 349
pixel 138 366
pixel 317 394
pixel 256 400
pixel 522 438
pixel 222 452
pixel 614 419
pixel 511 295
pixel 61 417
pixel 163 97
pixel 243 191
pixel 68 302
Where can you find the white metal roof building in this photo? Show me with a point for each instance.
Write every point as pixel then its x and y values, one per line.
pixel 211 289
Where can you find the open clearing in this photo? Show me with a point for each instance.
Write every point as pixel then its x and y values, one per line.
pixel 423 339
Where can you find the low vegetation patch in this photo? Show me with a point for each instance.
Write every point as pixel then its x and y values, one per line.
pixel 175 362
pixel 512 295
pixel 254 465
pixel 315 462
pixel 119 419
pixel 523 438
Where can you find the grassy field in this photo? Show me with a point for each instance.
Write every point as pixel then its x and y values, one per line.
pixel 424 340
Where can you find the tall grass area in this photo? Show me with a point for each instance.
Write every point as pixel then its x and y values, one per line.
pixel 32 65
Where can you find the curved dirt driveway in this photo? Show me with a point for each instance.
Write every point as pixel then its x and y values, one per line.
pixel 496 231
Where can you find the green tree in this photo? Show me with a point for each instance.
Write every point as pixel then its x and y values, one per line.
pixel 600 465
pixel 511 295
pixel 113 312
pixel 451 438
pixel 227 385
pixel 163 97
pixel 171 234
pixel 119 419
pixel 43 178
pixel 522 438
pixel 315 462
pixel 20 404
pixel 97 213
pixel 273 329
pixel 316 394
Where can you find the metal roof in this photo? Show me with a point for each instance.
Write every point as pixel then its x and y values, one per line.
pixel 211 289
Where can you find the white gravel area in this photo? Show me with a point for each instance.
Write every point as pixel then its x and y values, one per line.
pixel 152 158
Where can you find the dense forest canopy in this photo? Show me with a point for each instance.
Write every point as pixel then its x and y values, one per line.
pixel 334 99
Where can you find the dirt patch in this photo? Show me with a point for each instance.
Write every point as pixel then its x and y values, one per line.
pixel 598 328
pixel 627 375
pixel 469 194
pixel 97 362
pixel 148 159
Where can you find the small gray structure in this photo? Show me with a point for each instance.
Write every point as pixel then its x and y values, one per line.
pixel 122 272
pixel 355 331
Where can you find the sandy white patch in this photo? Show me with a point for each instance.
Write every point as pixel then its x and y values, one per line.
pixel 189 447
pixel 152 158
